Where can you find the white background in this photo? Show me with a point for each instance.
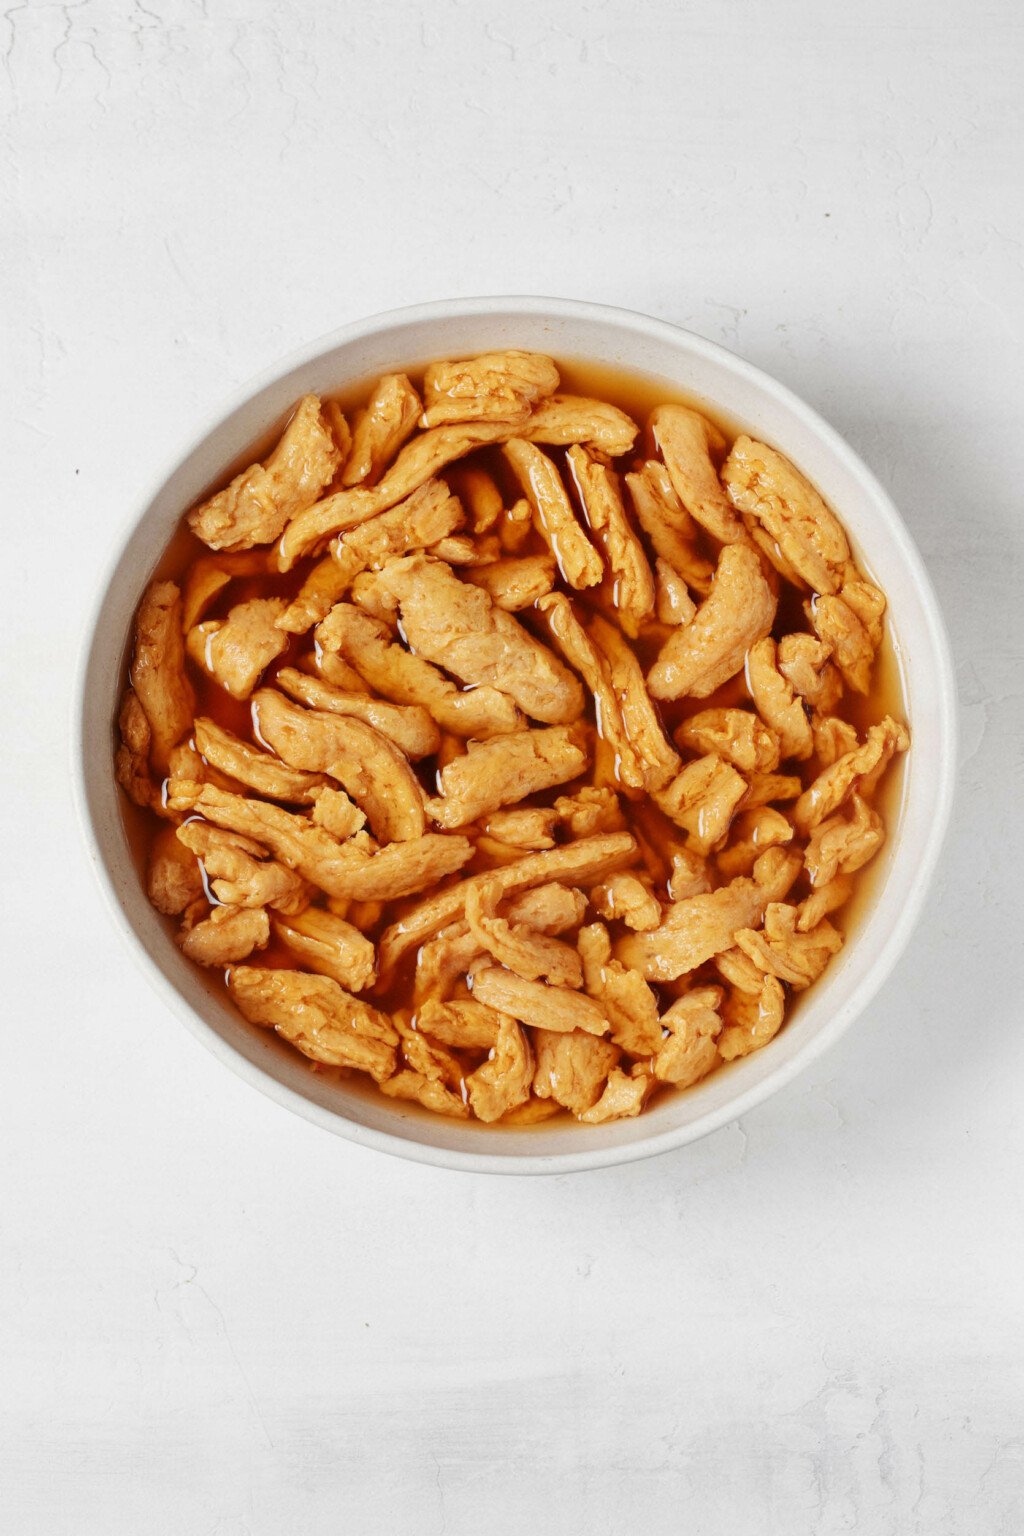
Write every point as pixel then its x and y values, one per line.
pixel 216 1319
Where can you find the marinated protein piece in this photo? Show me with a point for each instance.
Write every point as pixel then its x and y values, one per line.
pixel 337 814
pixel 778 703
pixel 806 665
pixel 257 770
pixel 685 440
pixel 516 946
pixel 462 550
pixel 433 1077
pixel 659 761
pixel 429 514
pixel 228 935
pixel 672 603
pixel 572 1068
pixel 392 671
pixel 421 459
pixel 339 869
pixel 442 964
pixel 158 671
pixel 173 877
pixel 131 760
pixel 689 875
pixel 690 1050
pixel 703 799
pixel 463 1024
pixel 770 788
pixel 399 869
pixel 704 654
pixel 850 624
pixel 535 1003
pixel 334 416
pixel 624 898
pixel 551 908
pixel 388 419
pixel 840 845
pixel 699 927
pixel 823 900
pixel 531 828
pixel 504 771
pixel 186 770
pixel 737 735
pixel 421 520
pixel 503 1081
pixel 236 651
pixel 578 560
pixel 444 960
pixel 240 871
pixel 580 651
pixel 579 863
pixel 531 1113
pixel 589 810
pixel 766 486
pixel 329 945
pixel 338 672
pixel 367 765
pixel 457 627
pixel 622 994
pixel 781 949
pixel 858 769
pixel 258 503
pixel 516 526
pixel 565 419
pixel 318 1017
pixel 496 386
pixel 478 491
pixel 751 833
pixel 624 1096
pixel 325 585
pixel 515 584
pixel 668 525
pixel 832 737
pixel 632 579
pixel 409 726
pixel 753 1017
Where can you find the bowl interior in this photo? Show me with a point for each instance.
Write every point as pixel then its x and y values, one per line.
pixel 685 363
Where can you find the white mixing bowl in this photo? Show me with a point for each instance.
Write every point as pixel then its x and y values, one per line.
pixel 406 339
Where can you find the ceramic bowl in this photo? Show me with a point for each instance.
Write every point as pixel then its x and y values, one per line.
pixel 684 362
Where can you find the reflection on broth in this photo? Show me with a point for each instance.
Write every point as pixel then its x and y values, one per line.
pixel 525 762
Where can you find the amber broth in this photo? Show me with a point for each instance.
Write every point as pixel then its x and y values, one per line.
pixel 637 395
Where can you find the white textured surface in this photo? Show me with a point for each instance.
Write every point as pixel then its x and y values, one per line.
pixel 216 1319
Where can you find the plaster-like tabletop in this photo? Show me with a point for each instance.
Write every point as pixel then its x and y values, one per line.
pixel 215 1318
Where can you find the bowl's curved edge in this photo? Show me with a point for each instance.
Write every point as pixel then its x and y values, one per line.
pixel 569 1162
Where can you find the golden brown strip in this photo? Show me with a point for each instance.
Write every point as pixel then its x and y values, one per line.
pixel 704 654
pixel 158 669
pixel 685 439
pixel 578 560
pixel 409 726
pixel 589 859
pixel 381 427
pixel 601 499
pixel 533 1002
pixel 419 460
pixel 254 508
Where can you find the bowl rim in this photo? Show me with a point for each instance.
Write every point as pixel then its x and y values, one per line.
pixel 944 780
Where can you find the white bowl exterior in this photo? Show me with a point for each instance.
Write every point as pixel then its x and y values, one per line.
pixel 408 338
